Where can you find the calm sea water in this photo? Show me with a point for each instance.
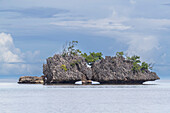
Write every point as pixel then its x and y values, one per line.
pixel 151 98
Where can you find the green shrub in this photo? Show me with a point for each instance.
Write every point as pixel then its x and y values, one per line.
pixel 135 59
pixel 64 67
pixel 118 54
pixel 144 66
pixel 49 57
pixel 90 59
pixel 136 67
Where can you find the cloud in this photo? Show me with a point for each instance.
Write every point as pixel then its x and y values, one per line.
pixel 7 49
pixel 110 23
pixel 36 12
pixel 149 24
pixel 139 34
pixel 114 22
pixel 136 44
pixel 144 46
pixel 139 44
pixel 12 60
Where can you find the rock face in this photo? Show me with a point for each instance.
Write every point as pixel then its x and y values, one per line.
pixel 117 70
pixel 111 70
pixel 66 69
pixel 30 80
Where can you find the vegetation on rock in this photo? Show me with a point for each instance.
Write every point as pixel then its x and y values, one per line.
pixel 69 49
pixel 137 66
pixel 118 54
pixel 134 59
pixel 93 57
pixel 64 67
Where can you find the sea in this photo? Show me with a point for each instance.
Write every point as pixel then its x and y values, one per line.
pixel 152 97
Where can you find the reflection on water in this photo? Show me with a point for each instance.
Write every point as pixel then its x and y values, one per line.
pixel 152 97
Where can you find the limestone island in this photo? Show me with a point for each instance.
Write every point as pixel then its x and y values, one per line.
pixel 72 65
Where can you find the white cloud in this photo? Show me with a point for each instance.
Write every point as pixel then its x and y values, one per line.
pixel 144 46
pixel 110 23
pixel 12 60
pixel 138 44
pixel 149 24
pixel 135 32
pixel 7 49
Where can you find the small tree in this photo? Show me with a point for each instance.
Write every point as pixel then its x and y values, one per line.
pixel 136 60
pixel 118 54
pixel 136 67
pixel 144 66
pixel 69 49
pixel 147 66
pixel 93 57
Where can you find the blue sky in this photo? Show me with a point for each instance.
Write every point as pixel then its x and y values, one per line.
pixel 31 31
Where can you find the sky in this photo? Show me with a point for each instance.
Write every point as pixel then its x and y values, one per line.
pixel 33 30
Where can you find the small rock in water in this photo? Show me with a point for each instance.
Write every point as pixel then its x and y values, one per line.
pixel 31 80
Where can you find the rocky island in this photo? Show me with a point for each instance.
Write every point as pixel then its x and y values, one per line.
pixel 73 65
pixel 31 80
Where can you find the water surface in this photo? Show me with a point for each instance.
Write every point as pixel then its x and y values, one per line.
pixel 154 97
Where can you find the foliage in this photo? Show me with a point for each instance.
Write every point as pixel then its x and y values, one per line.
pixel 136 64
pixel 64 67
pixel 135 59
pixel 144 66
pixel 136 67
pixel 93 57
pixel 119 54
pixel 69 49
pixel 49 57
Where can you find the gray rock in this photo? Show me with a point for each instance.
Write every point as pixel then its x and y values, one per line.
pixel 67 69
pixel 118 70
pixel 111 70
pixel 31 80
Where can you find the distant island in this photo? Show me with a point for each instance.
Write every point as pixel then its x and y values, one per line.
pixel 73 65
